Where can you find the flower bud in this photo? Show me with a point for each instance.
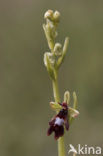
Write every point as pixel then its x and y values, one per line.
pixel 56 16
pixel 49 57
pixel 48 14
pixel 49 62
pixel 50 27
pixel 58 49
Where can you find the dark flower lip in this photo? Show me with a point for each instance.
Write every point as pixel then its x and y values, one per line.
pixel 58 122
pixel 58 130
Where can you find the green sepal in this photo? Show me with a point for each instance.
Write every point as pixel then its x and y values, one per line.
pixel 55 106
pixel 75 100
pixel 73 113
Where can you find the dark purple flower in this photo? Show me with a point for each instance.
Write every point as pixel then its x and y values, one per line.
pixel 58 122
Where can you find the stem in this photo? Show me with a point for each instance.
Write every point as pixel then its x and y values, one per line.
pixel 61 148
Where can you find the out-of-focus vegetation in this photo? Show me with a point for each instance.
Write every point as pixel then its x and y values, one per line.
pixel 25 89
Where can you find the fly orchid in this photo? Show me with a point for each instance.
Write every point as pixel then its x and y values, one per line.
pixel 64 117
pixel 58 121
pixel 53 59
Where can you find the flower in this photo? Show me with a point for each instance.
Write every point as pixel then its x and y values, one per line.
pixel 58 122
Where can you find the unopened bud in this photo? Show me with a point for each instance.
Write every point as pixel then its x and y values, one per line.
pixel 56 16
pixel 48 14
pixel 49 56
pixel 48 61
pixel 58 49
pixel 50 26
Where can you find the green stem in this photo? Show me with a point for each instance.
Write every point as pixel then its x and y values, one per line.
pixel 61 147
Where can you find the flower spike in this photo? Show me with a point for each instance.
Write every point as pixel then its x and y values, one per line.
pixel 53 60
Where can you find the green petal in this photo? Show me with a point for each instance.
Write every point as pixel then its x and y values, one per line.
pixel 67 97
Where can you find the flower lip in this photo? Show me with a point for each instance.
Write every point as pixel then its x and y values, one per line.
pixel 59 121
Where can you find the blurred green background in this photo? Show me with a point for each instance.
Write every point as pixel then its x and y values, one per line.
pixel 25 88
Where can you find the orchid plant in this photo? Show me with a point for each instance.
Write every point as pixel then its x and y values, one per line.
pixel 64 113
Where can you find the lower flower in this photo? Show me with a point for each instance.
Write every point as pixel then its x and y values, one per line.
pixel 58 122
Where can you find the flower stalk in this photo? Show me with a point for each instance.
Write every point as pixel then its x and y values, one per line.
pixel 53 60
pixel 61 146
